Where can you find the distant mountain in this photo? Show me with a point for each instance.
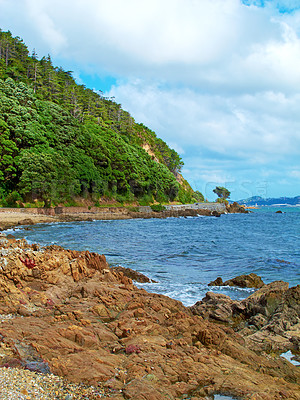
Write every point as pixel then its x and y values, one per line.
pixel 260 201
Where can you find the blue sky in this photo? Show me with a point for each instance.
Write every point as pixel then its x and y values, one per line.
pixel 218 80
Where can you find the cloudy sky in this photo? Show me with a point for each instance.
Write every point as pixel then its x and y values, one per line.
pixel 218 80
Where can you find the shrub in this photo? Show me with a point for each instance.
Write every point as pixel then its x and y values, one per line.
pixel 157 207
pixel 133 209
pixel 12 199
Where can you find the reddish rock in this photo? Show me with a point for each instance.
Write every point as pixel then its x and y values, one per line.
pixel 269 319
pixel 244 281
pixel 90 324
pixel 236 208
pixel 134 275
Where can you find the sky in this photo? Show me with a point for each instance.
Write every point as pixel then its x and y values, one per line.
pixel 218 80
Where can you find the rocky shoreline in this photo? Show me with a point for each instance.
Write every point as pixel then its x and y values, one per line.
pixel 68 313
pixel 9 218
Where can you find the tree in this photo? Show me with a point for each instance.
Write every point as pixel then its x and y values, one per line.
pixel 221 192
pixel 198 196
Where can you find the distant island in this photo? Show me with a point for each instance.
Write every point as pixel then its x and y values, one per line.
pixel 272 201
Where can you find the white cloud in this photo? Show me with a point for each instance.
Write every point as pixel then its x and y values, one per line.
pixel 51 34
pixel 225 140
pixel 212 44
pixel 217 79
pixel 295 174
pixel 265 124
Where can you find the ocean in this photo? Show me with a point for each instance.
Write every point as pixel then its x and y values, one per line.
pixel 184 254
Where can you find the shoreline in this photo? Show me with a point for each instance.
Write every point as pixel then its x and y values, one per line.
pixel 12 217
pixel 69 313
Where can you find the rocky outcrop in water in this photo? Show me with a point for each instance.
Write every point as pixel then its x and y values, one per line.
pixel 236 208
pixel 268 320
pixel 69 313
pixel 134 275
pixel 243 281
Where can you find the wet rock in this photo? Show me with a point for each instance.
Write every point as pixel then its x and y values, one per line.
pixel 217 282
pixel 244 281
pixel 134 275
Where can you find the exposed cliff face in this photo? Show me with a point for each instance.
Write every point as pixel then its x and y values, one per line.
pixel 151 153
pixel 68 312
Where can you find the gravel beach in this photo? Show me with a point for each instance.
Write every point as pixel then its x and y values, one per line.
pixel 21 384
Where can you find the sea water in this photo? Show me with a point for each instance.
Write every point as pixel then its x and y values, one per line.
pixel 184 254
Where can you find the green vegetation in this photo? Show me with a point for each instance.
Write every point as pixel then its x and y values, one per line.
pixel 157 207
pixel 61 141
pixel 222 193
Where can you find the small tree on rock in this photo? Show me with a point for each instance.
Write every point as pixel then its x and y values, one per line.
pixel 221 192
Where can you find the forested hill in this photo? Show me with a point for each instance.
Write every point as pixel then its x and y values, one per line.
pixel 61 141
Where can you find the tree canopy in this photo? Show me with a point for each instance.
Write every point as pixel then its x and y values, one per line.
pixel 60 140
pixel 222 192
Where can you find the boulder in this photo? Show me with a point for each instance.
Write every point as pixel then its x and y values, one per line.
pixel 217 282
pixel 243 281
pixel 246 281
pixel 134 275
pixel 236 208
pixel 26 221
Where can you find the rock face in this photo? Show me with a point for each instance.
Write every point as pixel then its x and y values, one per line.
pixel 69 313
pixel 236 208
pixel 244 281
pixel 268 320
pixel 134 275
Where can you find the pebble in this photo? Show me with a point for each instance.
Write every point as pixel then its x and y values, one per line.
pixel 21 384
pixel 5 317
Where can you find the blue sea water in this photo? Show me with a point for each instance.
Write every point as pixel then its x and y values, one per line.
pixel 184 254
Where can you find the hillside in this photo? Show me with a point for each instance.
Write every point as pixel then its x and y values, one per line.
pixel 61 141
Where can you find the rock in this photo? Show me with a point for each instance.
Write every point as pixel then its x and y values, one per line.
pixel 216 282
pixel 88 323
pixel 216 213
pixel 279 212
pixel 268 319
pixel 134 275
pixel 236 208
pixel 244 281
pixel 23 311
pixel 41 367
pixel 214 306
pixel 26 221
